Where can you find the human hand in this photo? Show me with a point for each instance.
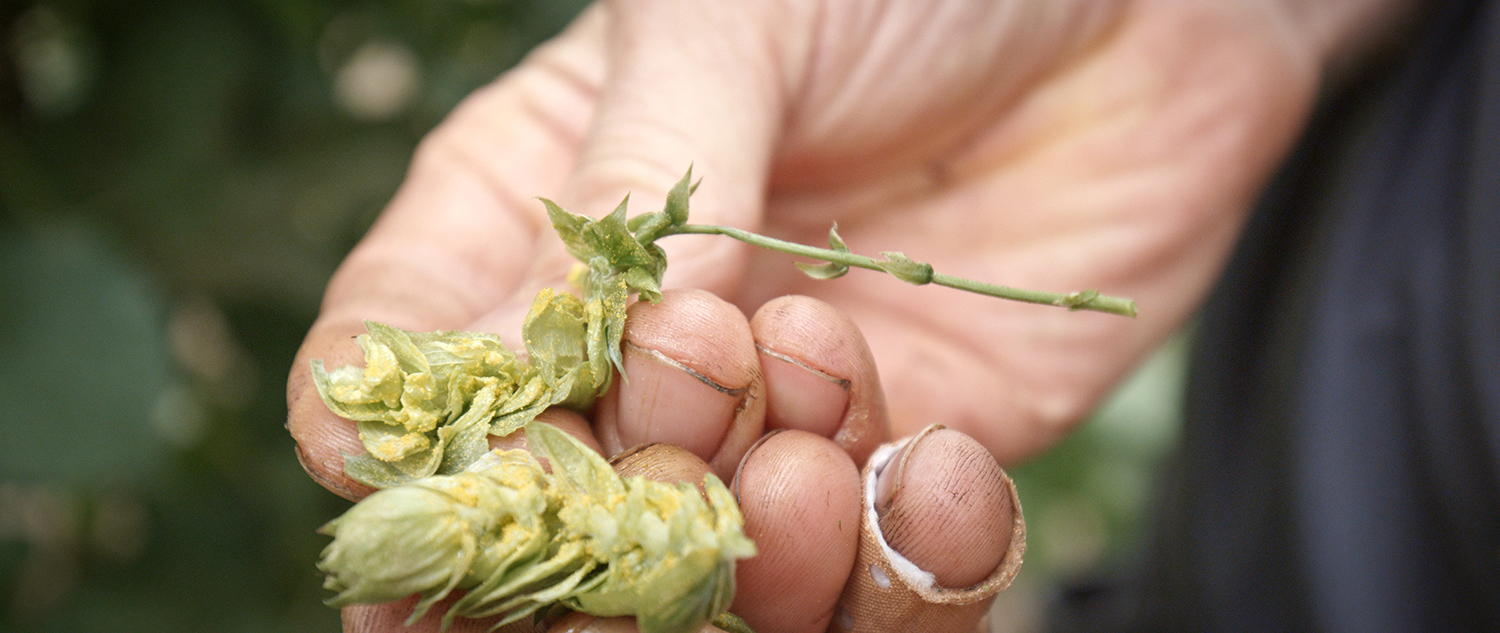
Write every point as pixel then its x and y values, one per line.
pixel 1056 145
pixel 702 374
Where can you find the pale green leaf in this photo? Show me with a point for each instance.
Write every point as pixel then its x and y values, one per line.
pixel 644 281
pixel 466 439
pixel 556 331
pixel 359 394
pixel 676 208
pixel 572 462
pixel 557 342
pixel 611 238
pixel 373 472
pixel 649 226
pixel 903 268
pixel 828 270
pixel 399 342
pixel 569 227
pixel 392 442
pixel 412 454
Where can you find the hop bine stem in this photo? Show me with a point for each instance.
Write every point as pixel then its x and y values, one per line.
pixel 916 272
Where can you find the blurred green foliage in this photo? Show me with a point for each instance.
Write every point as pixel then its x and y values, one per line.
pixel 1088 498
pixel 178 179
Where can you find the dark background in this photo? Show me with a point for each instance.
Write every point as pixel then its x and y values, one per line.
pixel 178 178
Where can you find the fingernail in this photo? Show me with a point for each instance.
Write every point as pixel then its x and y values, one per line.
pixel 661 462
pixel 947 494
pixel 673 402
pixel 746 459
pixel 889 483
pixel 628 455
pixel 801 396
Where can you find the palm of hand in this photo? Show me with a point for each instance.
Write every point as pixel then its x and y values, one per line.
pixel 1121 156
pixel 1062 146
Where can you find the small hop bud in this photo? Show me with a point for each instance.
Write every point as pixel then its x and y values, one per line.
pixel 903 268
pixel 519 539
pixel 398 542
pixel 437 533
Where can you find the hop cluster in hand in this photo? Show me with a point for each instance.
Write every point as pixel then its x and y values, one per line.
pixel 451 515
pixel 519 539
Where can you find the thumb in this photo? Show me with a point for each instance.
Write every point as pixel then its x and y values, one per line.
pixel 687 83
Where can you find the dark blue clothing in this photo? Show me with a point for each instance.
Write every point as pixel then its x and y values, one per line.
pixel 1340 466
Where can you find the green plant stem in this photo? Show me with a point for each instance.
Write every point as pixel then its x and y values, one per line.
pixel 1082 300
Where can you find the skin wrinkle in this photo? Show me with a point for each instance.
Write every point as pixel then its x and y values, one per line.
pixel 378 263
pixel 938 171
pixel 795 57
pixel 469 159
pixel 907 314
pixel 891 313
pixel 924 373
pixel 1058 412
pixel 460 156
pixel 1082 24
pixel 474 158
pixel 553 62
pixel 808 329
pixel 925 349
pixel 637 176
pixel 636 152
pixel 710 264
